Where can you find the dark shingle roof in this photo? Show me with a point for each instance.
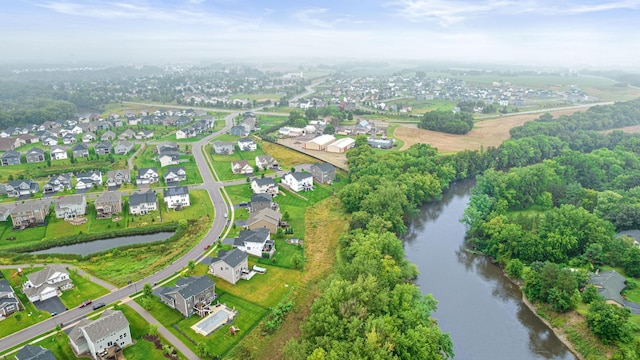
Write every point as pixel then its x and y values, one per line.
pixel 138 198
pixel 261 197
pixel 109 322
pixel 324 167
pixel 300 176
pixel 609 284
pixel 232 257
pixel 187 287
pixel 257 236
pixel 31 352
pixel 264 181
pixel 177 190
pixel 5 287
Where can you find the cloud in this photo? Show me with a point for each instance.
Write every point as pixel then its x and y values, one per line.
pixel 447 12
pixel 320 17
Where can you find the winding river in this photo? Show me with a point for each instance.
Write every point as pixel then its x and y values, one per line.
pixel 478 306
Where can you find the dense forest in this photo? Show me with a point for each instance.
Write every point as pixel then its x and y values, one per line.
pixel 560 203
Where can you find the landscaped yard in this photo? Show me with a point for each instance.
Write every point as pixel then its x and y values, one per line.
pixel 283 255
pixel 22 319
pixel 83 290
pixel 222 163
pixel 200 206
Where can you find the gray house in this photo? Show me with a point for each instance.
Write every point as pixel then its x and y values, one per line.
pixel 29 213
pixel 261 201
pixel 229 265
pixel 190 295
pixel 71 206
pixel 108 136
pixel 108 204
pixel 147 176
pixel 80 150
pixel 32 352
pixel 35 155
pixel 57 183
pixel 8 301
pixel 223 147
pixel 11 157
pixel 323 173
pixel 122 147
pixel 118 177
pixel 19 188
pixel 238 130
pixel 103 148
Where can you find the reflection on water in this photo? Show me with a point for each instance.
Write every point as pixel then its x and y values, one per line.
pixel 105 244
pixel 480 308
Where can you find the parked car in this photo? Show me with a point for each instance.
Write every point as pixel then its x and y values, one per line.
pixel 207 246
pixel 98 306
pixel 85 303
pixel 53 313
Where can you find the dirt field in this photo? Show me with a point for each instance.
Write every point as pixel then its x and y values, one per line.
pixel 338 160
pixel 628 129
pixel 485 133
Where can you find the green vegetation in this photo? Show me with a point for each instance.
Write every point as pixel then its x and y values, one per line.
pixel 83 289
pixel 447 122
pixel 15 323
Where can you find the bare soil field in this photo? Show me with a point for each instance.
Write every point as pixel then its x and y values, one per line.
pixel 485 133
pixel 338 160
pixel 628 129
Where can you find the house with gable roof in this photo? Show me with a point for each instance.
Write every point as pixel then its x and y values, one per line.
pixel 47 283
pixel 71 206
pixel 58 152
pixel 122 147
pixel 11 157
pixel 223 147
pixel 9 303
pixel 17 188
pixel 103 148
pixel 118 177
pixel 177 197
pixel 323 173
pixel 102 338
pixel 147 176
pixel 141 203
pixel 57 183
pixel 264 185
pixel 32 352
pixel 108 204
pixel 35 155
pixel 86 180
pixel 174 175
pixel 298 181
pixel 255 242
pixel 241 167
pixel 264 219
pixel 247 144
pixel 265 162
pixel 229 265
pixel 80 150
pixel 30 213
pixel 191 295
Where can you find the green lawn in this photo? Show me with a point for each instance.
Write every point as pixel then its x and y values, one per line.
pixel 226 137
pixel 200 206
pixel 31 315
pixel 172 137
pixel 239 193
pixel 23 237
pixel 83 290
pixel 265 121
pixel 222 163
pixel 283 255
pixel 296 206
pixel 59 345
pixel 141 349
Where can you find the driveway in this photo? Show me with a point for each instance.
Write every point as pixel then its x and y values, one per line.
pixel 51 305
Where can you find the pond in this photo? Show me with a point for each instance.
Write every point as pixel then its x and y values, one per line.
pixel 95 246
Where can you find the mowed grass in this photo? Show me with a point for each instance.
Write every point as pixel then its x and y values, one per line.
pixel 264 289
pixel 222 163
pixel 141 349
pixel 23 237
pixel 296 206
pixel 83 290
pixel 31 315
pixel 283 256
pixel 200 206
pixel 265 121
pixel 286 157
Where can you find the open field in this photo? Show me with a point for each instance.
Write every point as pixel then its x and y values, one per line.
pixel 484 134
pixel 628 129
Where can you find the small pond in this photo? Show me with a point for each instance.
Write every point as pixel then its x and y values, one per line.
pixel 95 246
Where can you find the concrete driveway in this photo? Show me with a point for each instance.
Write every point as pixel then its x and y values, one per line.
pixel 51 305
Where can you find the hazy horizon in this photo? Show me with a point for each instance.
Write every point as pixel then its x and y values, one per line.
pixel 571 33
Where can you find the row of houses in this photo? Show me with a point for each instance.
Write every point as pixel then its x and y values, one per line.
pixel 227 147
pixel 107 204
pixel 195 129
pixel 56 152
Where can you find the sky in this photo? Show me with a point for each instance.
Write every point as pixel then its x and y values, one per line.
pixel 598 33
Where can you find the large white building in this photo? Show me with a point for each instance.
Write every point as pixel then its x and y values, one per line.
pixel 320 143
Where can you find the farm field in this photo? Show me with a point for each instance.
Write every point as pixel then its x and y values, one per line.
pixel 484 134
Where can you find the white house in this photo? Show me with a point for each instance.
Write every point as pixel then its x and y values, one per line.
pixel 71 206
pixel 265 162
pixel 147 176
pixel 58 152
pixel 246 144
pixel 241 167
pixel 141 203
pixel 265 185
pixel 177 197
pixel 169 158
pixel 174 175
pixel 255 242
pixel 44 284
pixel 109 333
pixel 298 181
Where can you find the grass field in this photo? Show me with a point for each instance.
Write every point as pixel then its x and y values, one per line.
pixel 83 290
pixel 484 134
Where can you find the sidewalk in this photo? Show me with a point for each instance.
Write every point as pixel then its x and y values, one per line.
pixel 172 339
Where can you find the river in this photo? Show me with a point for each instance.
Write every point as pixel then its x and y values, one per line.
pixel 477 305
pixel 95 246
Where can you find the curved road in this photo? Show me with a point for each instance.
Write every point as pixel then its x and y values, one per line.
pixel 213 188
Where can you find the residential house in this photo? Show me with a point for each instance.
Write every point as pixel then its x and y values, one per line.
pixel 265 162
pixel 35 155
pixel 144 134
pixel 177 197
pixel 609 285
pixel 29 139
pixel 264 219
pixel 30 213
pixel 108 136
pixel 141 203
pixel 264 185
pixel 191 295
pixel 88 179
pixel 74 129
pixel 261 201
pixel 185 133
pixel 241 167
pixel 168 158
pixel 17 188
pixel 50 140
pixel 147 176
pixel 255 242
pixel 46 283
pixel 103 148
pixel 80 150
pixel 118 177
pixel 298 181
pixel 246 144
pixel 5 211
pixel 238 130
pixel 102 338
pixel 58 152
pixel 8 144
pixel 88 137
pixel 32 352
pixel 8 301
pixel 69 139
pixel 127 135
pixel 174 175
pixel 229 265
pixel 122 147
pixel 223 147
pixel 57 183
pixel 167 147
pixel 108 204
pixel 363 127
pixel 71 206
pixel 11 157
pixel 323 173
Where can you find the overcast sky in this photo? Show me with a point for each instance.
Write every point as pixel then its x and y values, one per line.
pixel 528 32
